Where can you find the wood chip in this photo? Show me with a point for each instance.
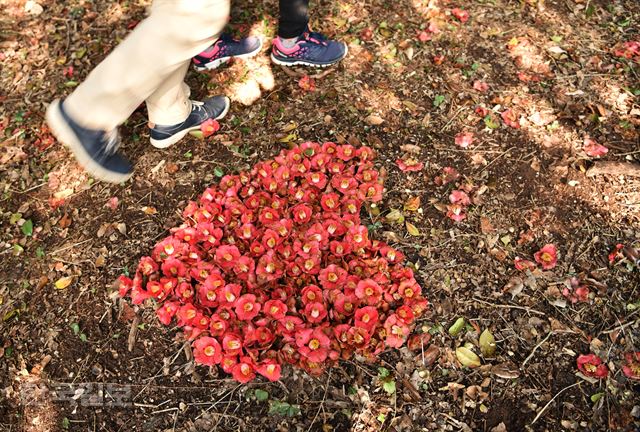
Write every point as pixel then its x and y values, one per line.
pixel 614 168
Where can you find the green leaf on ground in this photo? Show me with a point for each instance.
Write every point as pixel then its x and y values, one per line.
pixel 27 228
pixel 389 387
pixel 261 395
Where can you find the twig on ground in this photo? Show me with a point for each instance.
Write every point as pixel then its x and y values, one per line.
pixel 544 408
pixel 546 338
pixel 504 306
pixel 324 397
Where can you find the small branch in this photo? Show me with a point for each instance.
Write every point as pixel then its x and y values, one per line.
pixel 133 333
pixel 502 306
pixel 544 408
pixel 614 168
pixel 536 348
pixel 324 398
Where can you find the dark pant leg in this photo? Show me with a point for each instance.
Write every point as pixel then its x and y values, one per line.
pixel 294 17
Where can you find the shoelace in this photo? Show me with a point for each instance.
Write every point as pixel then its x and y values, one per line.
pixel 111 142
pixel 315 37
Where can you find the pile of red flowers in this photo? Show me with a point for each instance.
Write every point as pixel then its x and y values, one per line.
pixel 274 266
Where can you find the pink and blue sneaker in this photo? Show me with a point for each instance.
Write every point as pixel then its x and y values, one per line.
pixel 225 49
pixel 311 49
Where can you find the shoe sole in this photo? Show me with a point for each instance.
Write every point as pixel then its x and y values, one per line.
pixel 219 62
pixel 307 63
pixel 168 142
pixel 63 133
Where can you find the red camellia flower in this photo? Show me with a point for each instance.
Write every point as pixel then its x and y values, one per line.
pixel 575 292
pixel 243 371
pixel 369 292
pixel 510 118
pixel 523 264
pixel 313 344
pixel 408 165
pixel 270 370
pixel 464 139
pixel 207 351
pixel 307 83
pixel 366 317
pixel 247 308
pixel 315 312
pixel 547 257
pixel 456 212
pixel 167 311
pixel 459 197
pixel 461 15
pixel 632 368
pixel 265 254
pixel 209 127
pixel 480 86
pixel 591 365
pixel 397 332
pixel 275 308
pixel 593 149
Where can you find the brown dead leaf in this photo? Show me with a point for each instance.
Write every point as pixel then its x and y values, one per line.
pixel 412 204
pixel 65 221
pixel 171 168
pixel 149 210
pixel 374 120
pixel 411 148
pixel 514 286
pixel 505 370
pixel 485 226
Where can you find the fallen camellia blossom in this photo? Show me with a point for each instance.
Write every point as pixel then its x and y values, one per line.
pixel 273 266
pixel 510 118
pixel 629 50
pixel 459 197
pixel 593 149
pixel 547 257
pixel 449 174
pixel 307 83
pixel 209 127
pixel 424 36
pixel 632 368
pixel 410 164
pixel 439 59
pixel 456 212
pixel 460 14
pixel 591 365
pixel 615 254
pixel 523 264
pixel 480 86
pixel 464 139
pixel 575 292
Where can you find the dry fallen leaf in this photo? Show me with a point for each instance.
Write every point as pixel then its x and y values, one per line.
pixel 467 357
pixel 412 230
pixel 374 120
pixel 487 343
pixel 63 282
pixel 412 204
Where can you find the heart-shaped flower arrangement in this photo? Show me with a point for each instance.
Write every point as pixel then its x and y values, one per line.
pixel 274 266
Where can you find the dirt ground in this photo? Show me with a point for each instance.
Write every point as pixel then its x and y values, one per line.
pixel 553 64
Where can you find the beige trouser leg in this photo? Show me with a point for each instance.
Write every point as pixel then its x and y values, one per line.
pixel 150 64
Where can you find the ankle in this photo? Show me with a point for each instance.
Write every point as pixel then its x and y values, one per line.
pixel 288 42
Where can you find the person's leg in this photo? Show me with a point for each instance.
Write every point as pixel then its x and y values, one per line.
pixel 152 58
pixel 156 51
pixel 297 45
pixel 294 18
pixel 170 103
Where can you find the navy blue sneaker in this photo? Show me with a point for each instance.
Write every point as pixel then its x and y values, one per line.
pixel 215 108
pixel 95 150
pixel 312 49
pixel 225 49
